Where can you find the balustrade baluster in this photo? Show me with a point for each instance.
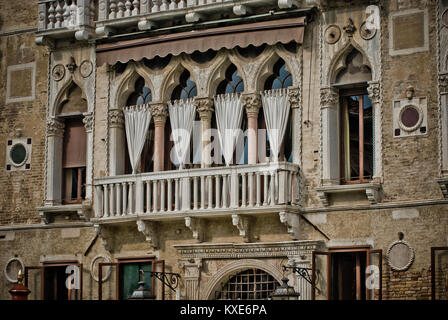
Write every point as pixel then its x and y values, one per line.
pixel 131 206
pixel 121 6
pixel 162 195
pixel 148 196
pixel 136 5
pixel 112 200
pixel 225 190
pixel 59 12
pixel 273 191
pixel 155 6
pixel 118 199
pixel 176 194
pixel 173 4
pixel 66 15
pixel 210 192
pixel 164 6
pixel 128 6
pixel 155 198
pixel 258 174
pixel 218 191
pixel 181 4
pixel 195 193
pixel 251 189
pixel 99 201
pixel 106 200
pixel 243 189
pixel 170 195
pixel 124 190
pixel 113 9
pixel 203 192
pixel 51 17
pixel 265 188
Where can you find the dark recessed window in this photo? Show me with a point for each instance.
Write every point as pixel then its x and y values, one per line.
pixel 18 153
pixel 141 95
pixel 157 63
pixel 186 88
pixel 232 83
pixel 203 57
pixel 28 141
pixel 280 78
pixel 251 51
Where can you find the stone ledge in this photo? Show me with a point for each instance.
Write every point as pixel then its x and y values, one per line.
pixel 71 211
pixel 372 191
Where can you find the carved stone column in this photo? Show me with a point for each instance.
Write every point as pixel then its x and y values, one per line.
pixel 192 273
pixel 117 142
pixel 329 135
pixel 443 92
pixel 55 133
pixel 88 124
pixel 294 95
pixel 159 113
pixel 374 94
pixel 252 104
pixel 204 106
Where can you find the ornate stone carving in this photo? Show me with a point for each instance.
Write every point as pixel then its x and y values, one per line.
pixel 443 83
pixel 72 65
pixel 86 68
pixel 252 103
pixel 58 72
pixel 328 97
pixel 294 96
pixel 196 226
pixel 332 34
pixel 116 118
pixel 400 255
pixel 192 272
pixel 88 121
pixel 292 222
pixel 148 228
pixel 159 112
pixel 242 223
pixel 55 127
pixel 204 106
pixel 374 92
pixel 366 33
pixel 350 28
pixel 94 267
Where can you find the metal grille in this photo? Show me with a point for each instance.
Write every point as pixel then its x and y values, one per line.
pixel 253 284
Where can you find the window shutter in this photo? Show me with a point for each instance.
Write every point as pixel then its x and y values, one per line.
pixel 75 144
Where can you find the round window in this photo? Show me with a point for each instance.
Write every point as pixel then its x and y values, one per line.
pixel 410 118
pixel 18 154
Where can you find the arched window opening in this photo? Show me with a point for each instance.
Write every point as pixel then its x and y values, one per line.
pixel 280 79
pixel 141 95
pixel 232 83
pixel 252 284
pixel 186 88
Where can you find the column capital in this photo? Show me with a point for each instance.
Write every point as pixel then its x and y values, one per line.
pixel 191 267
pixel 88 121
pixel 252 103
pixel 328 97
pixel 55 127
pixel 204 106
pixel 443 83
pixel 374 91
pixel 294 95
pixel 116 118
pixel 159 112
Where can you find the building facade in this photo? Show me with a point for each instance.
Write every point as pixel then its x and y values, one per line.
pixel 211 148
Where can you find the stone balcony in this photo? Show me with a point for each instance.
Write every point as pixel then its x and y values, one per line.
pixel 194 193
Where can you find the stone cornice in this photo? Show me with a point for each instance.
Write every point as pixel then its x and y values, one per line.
pixel 248 250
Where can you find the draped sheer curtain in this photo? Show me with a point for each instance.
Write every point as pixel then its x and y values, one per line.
pixel 137 119
pixel 276 112
pixel 229 116
pixel 182 114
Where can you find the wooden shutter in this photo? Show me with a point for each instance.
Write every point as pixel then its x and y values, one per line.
pixel 75 144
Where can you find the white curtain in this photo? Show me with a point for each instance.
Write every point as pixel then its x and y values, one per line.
pixel 229 115
pixel 276 112
pixel 182 113
pixel 137 119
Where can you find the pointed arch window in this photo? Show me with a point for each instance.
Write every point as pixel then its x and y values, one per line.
pixel 232 83
pixel 141 95
pixel 280 77
pixel 186 88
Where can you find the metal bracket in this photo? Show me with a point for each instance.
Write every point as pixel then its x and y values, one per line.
pixel 169 279
pixel 303 272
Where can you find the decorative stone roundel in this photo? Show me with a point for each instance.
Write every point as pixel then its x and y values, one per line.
pixel 18 154
pixel 12 267
pixel 332 34
pixel 366 33
pixel 86 68
pixel 400 255
pixel 94 267
pixel 58 72
pixel 410 118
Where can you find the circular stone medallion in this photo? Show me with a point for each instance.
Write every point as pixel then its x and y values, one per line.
pixel 12 268
pixel 58 72
pixel 366 33
pixel 410 118
pixel 332 34
pixel 94 266
pixel 86 68
pixel 400 256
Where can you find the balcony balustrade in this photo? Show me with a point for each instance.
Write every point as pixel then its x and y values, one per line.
pixel 213 191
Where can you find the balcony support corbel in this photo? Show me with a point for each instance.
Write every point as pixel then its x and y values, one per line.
pixel 148 228
pixel 104 234
pixel 193 17
pixel 241 10
pixel 286 4
pixel 196 226
pixel 242 223
pixel 82 35
pixel 292 222
pixel 146 24
pixel 104 31
pixel 44 41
